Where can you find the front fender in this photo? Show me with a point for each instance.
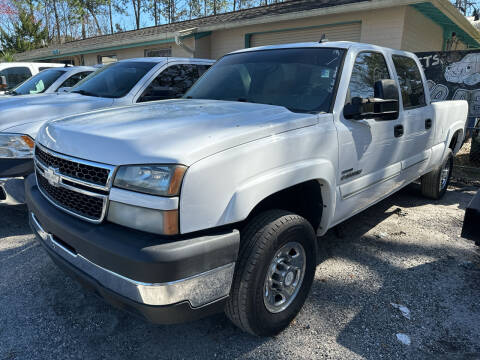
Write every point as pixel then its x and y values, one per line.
pixel 224 188
pixel 252 192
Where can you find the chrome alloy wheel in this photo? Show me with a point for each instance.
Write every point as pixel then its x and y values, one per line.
pixel 284 277
pixel 444 175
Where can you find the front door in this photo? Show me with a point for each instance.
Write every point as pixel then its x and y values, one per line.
pixel 370 152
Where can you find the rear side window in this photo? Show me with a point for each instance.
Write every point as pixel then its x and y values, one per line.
pixel 15 75
pixel 410 80
pixel 74 79
pixel 173 82
pixel 369 68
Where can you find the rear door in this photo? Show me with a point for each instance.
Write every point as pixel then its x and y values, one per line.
pixel 370 152
pixel 418 116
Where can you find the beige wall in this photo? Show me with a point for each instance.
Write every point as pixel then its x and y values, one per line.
pixel 135 52
pixel 420 33
pixel 203 47
pixel 400 27
pixel 380 27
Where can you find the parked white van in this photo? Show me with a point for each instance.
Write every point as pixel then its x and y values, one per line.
pixel 14 73
pixel 53 80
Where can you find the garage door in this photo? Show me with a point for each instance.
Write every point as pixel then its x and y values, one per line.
pixel 345 32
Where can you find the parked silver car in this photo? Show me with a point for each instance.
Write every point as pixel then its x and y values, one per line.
pixel 52 80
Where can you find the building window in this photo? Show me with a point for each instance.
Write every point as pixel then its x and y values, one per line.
pixel 106 59
pixel 166 52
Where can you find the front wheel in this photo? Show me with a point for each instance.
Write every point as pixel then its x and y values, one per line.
pixel 274 272
pixel 435 183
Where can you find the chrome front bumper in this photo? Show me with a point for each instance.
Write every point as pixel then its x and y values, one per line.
pixel 12 191
pixel 198 290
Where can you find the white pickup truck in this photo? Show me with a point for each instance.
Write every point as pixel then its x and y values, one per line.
pixel 179 209
pixel 123 83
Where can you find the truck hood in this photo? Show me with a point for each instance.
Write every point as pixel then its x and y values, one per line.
pixel 26 114
pixel 173 131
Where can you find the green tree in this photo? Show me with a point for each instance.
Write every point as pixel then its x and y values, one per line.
pixel 6 56
pixel 28 33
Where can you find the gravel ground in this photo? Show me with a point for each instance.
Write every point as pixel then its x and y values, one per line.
pixel 405 250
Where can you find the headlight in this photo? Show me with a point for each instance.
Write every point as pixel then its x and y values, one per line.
pixel 163 180
pixel 16 146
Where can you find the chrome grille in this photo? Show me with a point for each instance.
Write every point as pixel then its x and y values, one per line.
pixel 77 170
pixel 78 187
pixel 87 206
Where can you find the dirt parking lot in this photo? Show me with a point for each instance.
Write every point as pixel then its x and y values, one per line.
pixel 403 251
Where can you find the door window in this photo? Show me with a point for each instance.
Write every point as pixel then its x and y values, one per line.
pixel 75 78
pixel 15 75
pixel 369 67
pixel 410 79
pixel 173 82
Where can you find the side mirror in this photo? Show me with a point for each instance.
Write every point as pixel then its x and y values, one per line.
pixel 383 106
pixel 3 82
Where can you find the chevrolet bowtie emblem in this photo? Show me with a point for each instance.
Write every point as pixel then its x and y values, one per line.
pixel 52 177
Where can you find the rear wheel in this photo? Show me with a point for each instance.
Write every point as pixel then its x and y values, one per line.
pixel 435 183
pixel 474 155
pixel 274 272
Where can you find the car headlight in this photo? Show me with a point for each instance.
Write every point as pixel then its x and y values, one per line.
pixel 162 180
pixel 16 146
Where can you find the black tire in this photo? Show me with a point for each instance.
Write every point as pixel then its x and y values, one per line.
pixel 262 237
pixel 431 182
pixel 474 155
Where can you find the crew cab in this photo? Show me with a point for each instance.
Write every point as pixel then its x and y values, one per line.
pixel 123 83
pixel 51 80
pixel 14 73
pixel 178 209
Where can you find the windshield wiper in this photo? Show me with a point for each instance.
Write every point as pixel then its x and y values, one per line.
pixel 84 92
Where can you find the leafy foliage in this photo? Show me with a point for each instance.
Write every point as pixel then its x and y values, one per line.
pixel 30 24
pixel 28 33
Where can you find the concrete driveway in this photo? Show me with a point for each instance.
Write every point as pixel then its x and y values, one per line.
pixel 394 282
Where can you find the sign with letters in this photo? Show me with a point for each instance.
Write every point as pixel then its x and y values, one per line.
pixel 454 75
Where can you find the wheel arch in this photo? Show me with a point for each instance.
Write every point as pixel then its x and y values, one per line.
pixel 456 140
pixel 313 182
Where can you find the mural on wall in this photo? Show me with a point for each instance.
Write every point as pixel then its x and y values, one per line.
pixel 454 75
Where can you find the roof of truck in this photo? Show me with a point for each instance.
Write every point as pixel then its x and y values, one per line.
pixel 326 44
pixel 168 59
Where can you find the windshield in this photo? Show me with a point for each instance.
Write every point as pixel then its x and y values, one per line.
pixel 38 83
pixel 302 80
pixel 114 80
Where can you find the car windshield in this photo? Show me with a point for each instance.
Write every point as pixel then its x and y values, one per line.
pixel 38 83
pixel 301 80
pixel 115 80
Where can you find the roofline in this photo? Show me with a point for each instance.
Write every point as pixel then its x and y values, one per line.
pixel 455 15
pixel 169 37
